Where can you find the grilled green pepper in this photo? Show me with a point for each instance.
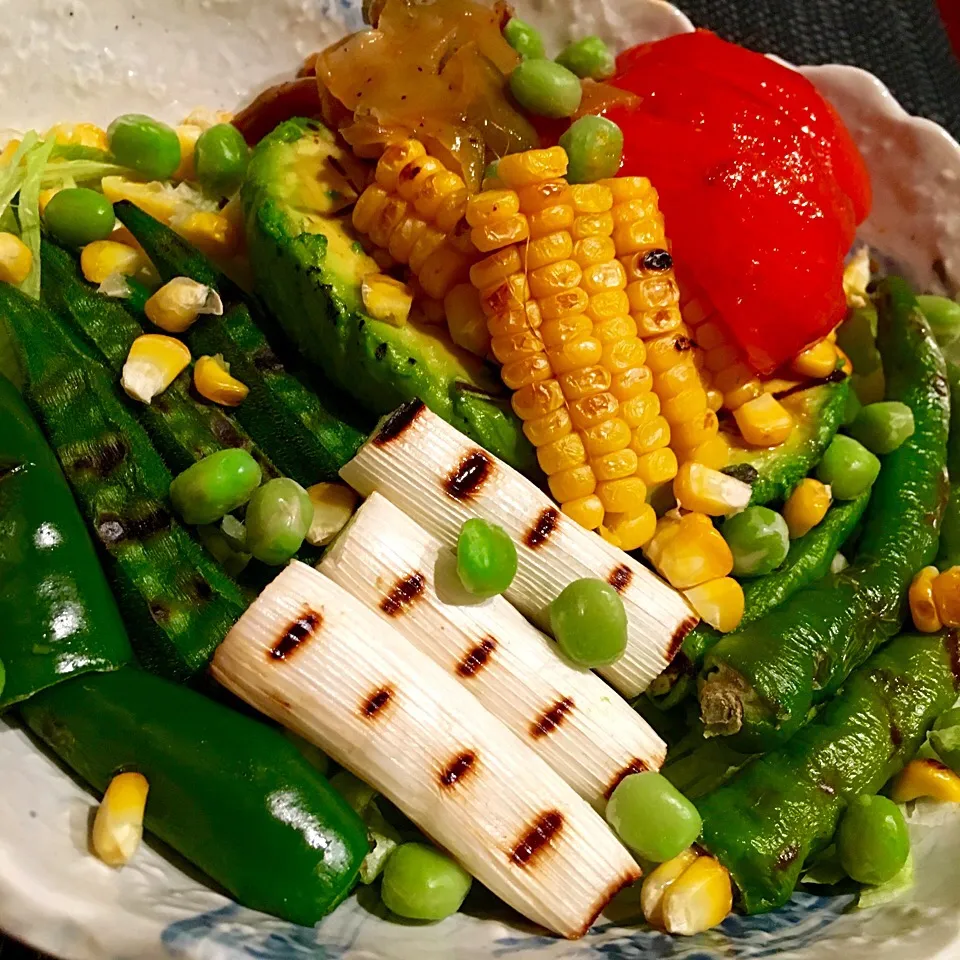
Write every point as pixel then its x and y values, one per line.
pixel 59 617
pixel 771 816
pixel 761 681
pixel 230 793
pixel 948 554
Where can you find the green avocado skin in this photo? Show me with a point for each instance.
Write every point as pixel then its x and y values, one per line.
pixel 306 285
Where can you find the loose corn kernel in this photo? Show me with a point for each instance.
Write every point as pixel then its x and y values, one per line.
pixel 102 258
pixel 16 260
pixel 177 305
pixel 817 360
pixel 764 421
pixel 629 531
pixel 806 506
pixel 45 197
pixel 700 898
pixel 386 299
pixel 532 167
pixel 695 554
pixel 333 505
pixel 923 608
pixel 79 134
pixel 118 825
pixel 587 511
pixel 946 595
pixel 703 490
pixel 658 881
pixel 188 134
pixel 926 778
pixel 718 602
pixel 213 380
pixel 153 363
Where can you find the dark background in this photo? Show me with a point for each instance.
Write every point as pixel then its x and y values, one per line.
pixel 902 41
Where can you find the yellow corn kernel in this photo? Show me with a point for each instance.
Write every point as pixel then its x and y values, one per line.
pixel 413 177
pixel 764 421
pixel 777 385
pixel 585 382
pixel 465 319
pixel 118 825
pixel 631 383
pixel 9 150
pixel 946 595
pixel 188 134
pixel 554 278
pixel 177 305
pixel 537 400
pixel 404 238
pixel 700 898
pixel 696 554
pixel 425 310
pixel 572 484
pixel 387 299
pixel 593 410
pixel 394 159
pixel 926 778
pixel 609 305
pixel 718 602
pixel 437 192
pixel 640 409
pixel 548 249
pixel 153 363
pixel 549 428
pixel 703 490
pixel 591 250
pixel 100 259
pixel 368 207
pixel 817 360
pixel 496 234
pixel 428 243
pixel 650 436
pixel 16 260
pixel 658 881
pixel 623 355
pixel 622 496
pixel 587 511
pixel 592 225
pixel 806 506
pixel 566 329
pixel 923 608
pixel 683 375
pixel 845 363
pixel 554 192
pixel 711 335
pixel 629 531
pixel 491 206
pixel 496 268
pixel 690 404
pixel 657 467
pixel 695 431
pixel 585 352
pixel 714 452
pixel 606 437
pixel 45 197
pixel 664 352
pixel 213 380
pixel 550 220
pixel 443 270
pixel 514 318
pixel 529 370
pixel 591 197
pixel 333 505
pixel 532 166
pixel 726 357
pixel 614 466
pixel 714 399
pixel 511 294
pixel 79 134
pixel 391 214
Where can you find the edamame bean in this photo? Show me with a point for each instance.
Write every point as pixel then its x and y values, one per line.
pixel 525 39
pixel 589 623
pixel 652 817
pixel 215 486
pixel 594 147
pixel 943 315
pixel 758 539
pixel 882 427
pixel 221 157
pixel 486 558
pixel 145 145
pixel 589 58
pixel 278 517
pixel 545 88
pixel 421 883
pixel 872 840
pixel 848 467
pixel 77 216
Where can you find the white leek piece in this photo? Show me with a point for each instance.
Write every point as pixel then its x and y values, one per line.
pixel 440 478
pixel 566 714
pixel 315 659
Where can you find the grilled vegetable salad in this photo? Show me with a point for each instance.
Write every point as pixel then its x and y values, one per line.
pixel 435 388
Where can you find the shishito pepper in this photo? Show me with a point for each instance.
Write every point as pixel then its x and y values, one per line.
pixel 230 793
pixel 783 807
pixel 761 681
pixel 948 554
pixel 58 616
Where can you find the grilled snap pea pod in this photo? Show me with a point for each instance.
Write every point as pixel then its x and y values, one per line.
pixel 761 681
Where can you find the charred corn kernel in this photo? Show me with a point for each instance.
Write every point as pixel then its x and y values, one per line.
pixel 572 484
pixel 695 554
pixel 718 602
pixel 650 436
pixel 585 382
pixel 413 178
pixel 100 259
pixel 153 363
pixel 764 421
pixel 703 490
pixel 548 428
pixel 657 467
pixel 587 511
pixel 561 454
pixel 626 495
pixel 492 206
pixel 211 233
pixel 923 608
pixel 395 158
pixel 46 196
pixel 817 360
pixel 80 135
pixel 437 192
pixel 593 410
pixel 806 506
pixel 560 304
pixel 699 430
pixel 946 595
pixel 532 167
pixel 658 881
pixel 466 320
pixel 333 505
pixel 629 531
pixel 926 778
pixel 700 898
pixel 16 260
pixel 176 305
pixel 213 380
pixel 537 400
pixel 387 299
pixel 615 466
pixel 118 825
pixel 8 151
pixel 188 134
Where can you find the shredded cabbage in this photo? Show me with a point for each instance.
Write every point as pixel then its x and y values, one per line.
pixel 62 172
pixel 28 212
pixel 13 173
pixel 885 892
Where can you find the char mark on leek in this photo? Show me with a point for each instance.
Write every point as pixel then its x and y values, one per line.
pixel 398 421
pixel 403 593
pixel 460 767
pixel 539 837
pixel 620 577
pixel 296 635
pixel 679 635
pixel 636 765
pixel 551 718
pixel 477 658
pixel 540 532
pixel 471 474
pixel 375 703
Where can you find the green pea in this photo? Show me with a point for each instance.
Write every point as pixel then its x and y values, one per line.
pixel 545 88
pixel 486 558
pixel 215 486
pixel 145 145
pixel 589 58
pixel 278 517
pixel 943 315
pixel 872 840
pixel 758 538
pixel 77 216
pixel 848 467
pixel 421 883
pixel 945 739
pixel 525 39
pixel 882 427
pixel 594 147
pixel 221 157
pixel 589 623
pixel 652 817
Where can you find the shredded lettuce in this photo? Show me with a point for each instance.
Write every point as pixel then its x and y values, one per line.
pixel 383 837
pixel 885 892
pixel 62 172
pixel 12 174
pixel 824 869
pixel 28 212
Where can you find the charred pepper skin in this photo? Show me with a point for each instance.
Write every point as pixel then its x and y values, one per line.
pixel 760 682
pixel 58 618
pixel 781 808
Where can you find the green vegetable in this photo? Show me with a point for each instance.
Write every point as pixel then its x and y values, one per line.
pixel 848 468
pixel 545 88
pixel 945 739
pixel 145 145
pixel 214 486
pixel 758 539
pixel 221 159
pixel 278 517
pixel 594 147
pixel 652 817
pixel 77 216
pixel 232 558
pixel 699 765
pixel 892 889
pixel 761 680
pixel 943 315
pixel 231 794
pixel 948 553
pixel 13 173
pixel 486 558
pixel 421 883
pixel 382 837
pixel 852 409
pixel 857 338
pixel 782 808
pixel 59 617
pixel 589 58
pixel 872 840
pixel 28 212
pixel 525 39
pixel 882 427
pixel 589 623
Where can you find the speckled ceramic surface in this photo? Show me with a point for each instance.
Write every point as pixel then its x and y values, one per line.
pixel 88 61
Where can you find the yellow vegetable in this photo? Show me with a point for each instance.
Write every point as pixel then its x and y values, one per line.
pixel 806 507
pixel 153 363
pixel 689 551
pixel 102 258
pixel 705 490
pixel 687 895
pixel 333 506
pixel 926 778
pixel 16 259
pixel 213 380
pixel 764 421
pixel 118 825
pixel 386 299
pixel 176 306
pixel 923 607
pixel 211 233
pixel 719 602
pixel 817 360
pixel 946 596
